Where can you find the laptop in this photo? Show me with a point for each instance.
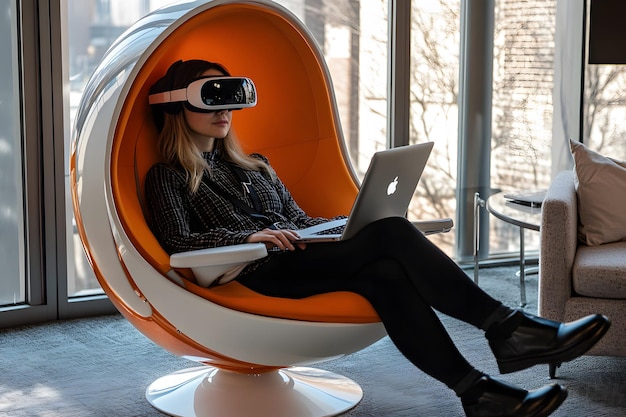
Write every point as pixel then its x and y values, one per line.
pixel 527 198
pixel 386 191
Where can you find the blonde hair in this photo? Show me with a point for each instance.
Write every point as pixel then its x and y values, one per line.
pixel 178 148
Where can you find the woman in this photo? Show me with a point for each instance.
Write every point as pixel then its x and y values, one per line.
pixel 196 200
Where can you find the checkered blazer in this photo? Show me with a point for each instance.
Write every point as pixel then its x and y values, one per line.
pixel 183 221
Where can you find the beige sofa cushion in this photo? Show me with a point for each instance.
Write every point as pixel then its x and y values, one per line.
pixel 600 271
pixel 601 191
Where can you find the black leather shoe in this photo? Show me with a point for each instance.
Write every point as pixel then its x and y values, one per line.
pixel 523 340
pixel 492 398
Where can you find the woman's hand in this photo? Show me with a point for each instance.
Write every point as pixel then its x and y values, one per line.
pixel 282 239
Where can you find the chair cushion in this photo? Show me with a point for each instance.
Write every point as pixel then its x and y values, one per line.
pixel 601 191
pixel 335 307
pixel 600 271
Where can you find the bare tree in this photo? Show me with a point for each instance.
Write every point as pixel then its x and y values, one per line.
pixel 434 107
pixel 604 109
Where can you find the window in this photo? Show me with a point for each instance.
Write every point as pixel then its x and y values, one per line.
pixel 12 238
pixel 523 71
pixel 604 99
pixel 434 78
pixel 351 34
pixel 92 27
pixel 43 274
pixel 520 104
pixel 354 39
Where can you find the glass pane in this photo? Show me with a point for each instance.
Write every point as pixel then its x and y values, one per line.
pixel 604 110
pixel 435 28
pixel 354 38
pixel 366 131
pixel 604 101
pixel 12 259
pixel 523 71
pixel 93 25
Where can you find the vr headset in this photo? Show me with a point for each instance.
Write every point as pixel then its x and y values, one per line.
pixel 210 94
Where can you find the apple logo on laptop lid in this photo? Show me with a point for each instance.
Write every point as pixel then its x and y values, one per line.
pixel 392 187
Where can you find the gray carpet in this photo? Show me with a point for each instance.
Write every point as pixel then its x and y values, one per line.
pixel 102 366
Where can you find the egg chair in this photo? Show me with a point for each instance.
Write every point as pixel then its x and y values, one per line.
pixel 253 353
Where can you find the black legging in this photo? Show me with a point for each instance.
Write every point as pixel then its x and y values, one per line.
pixel 403 275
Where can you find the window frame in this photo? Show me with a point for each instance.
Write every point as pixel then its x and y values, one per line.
pixel 42 32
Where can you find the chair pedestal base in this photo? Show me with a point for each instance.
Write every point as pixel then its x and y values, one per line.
pixel 210 392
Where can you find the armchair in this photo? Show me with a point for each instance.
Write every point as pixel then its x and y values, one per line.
pixel 246 343
pixel 576 279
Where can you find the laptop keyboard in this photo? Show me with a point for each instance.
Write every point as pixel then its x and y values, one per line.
pixel 333 231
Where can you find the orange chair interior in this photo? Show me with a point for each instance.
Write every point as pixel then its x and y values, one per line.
pixel 293 125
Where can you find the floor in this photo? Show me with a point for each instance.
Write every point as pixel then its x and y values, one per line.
pixel 102 367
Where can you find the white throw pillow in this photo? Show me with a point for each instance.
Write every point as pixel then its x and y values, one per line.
pixel 601 190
